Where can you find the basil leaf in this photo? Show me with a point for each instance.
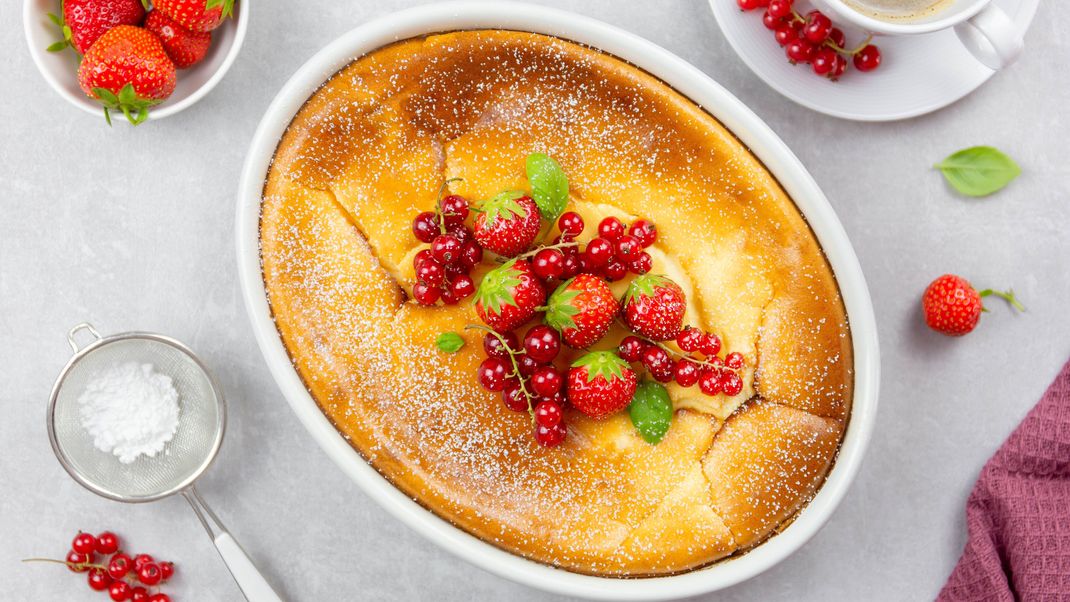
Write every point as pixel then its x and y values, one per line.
pixel 651 411
pixel 978 170
pixel 450 342
pixel 549 185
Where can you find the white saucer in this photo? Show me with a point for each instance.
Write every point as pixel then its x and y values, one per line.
pixel 909 82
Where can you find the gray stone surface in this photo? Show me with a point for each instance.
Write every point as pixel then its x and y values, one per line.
pixel 132 229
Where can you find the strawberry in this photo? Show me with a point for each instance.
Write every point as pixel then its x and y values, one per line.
pixel 508 296
pixel 508 224
pixel 128 70
pixel 582 310
pixel 185 48
pixel 196 15
pixel 654 307
pixel 953 307
pixel 84 21
pixel 600 383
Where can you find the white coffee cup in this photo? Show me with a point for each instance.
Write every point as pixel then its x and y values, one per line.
pixel 986 31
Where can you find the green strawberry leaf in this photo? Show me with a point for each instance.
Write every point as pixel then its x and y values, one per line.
pixel 606 364
pixel 503 205
pixel 57 46
pixel 56 19
pixel 978 170
pixel 135 108
pixel 497 287
pixel 450 342
pixel 549 185
pixel 651 411
pixel 560 307
pixel 228 6
pixel 645 286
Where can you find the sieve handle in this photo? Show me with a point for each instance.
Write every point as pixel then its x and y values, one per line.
pixel 76 329
pixel 252 584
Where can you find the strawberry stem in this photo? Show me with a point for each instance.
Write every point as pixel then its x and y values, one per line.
pixel 1007 296
pixel 512 360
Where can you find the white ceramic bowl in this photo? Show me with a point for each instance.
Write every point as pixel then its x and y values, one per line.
pixel 693 84
pixel 60 69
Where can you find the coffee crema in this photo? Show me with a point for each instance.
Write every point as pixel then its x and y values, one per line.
pixel 899 10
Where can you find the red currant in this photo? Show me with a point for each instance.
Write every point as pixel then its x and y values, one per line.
pixel 160 598
pixel 627 248
pixel 421 257
pixel 167 570
pixel 149 573
pixel 644 231
pixel 120 591
pixel 631 348
pixel 868 59
pixel 430 273
pixel 686 372
pixel 779 8
pixel 550 436
pixel 460 232
pixel 424 294
pixel 492 374
pixel 78 558
pixel 690 339
pixel 119 565
pixel 817 27
pixel 84 543
pixel 785 33
pixel 462 287
pixel 425 227
pixel 98 579
pixel 570 223
pixel 471 254
pixel 142 559
pixel 824 61
pixel 734 360
pixel 527 364
pixel 642 264
pixel 513 396
pixel 770 21
pixel 107 543
pixel 455 209
pixel 711 345
pixel 547 414
pixel 139 594
pixel 838 68
pixel 548 263
pixel 799 51
pixel 751 4
pixel 611 229
pixel 599 252
pixel 547 381
pixel 836 37
pixel 542 343
pixel 731 383
pixel 493 346
pixel 571 267
pixel 709 382
pixel 614 270
pixel 657 361
pixel 446 249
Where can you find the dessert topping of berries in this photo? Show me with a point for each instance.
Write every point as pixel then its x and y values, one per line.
pixel 582 309
pixel 443 270
pixel 953 307
pixel 509 295
pixel 654 307
pixel 507 223
pixel 600 383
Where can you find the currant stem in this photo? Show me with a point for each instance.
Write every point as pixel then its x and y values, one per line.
pixel 73 565
pixel 560 245
pixel 438 203
pixel 797 18
pixel 1007 296
pixel 512 360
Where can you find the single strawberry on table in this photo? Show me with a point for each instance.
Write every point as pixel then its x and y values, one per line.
pixel 953 307
pixel 84 21
pixel 196 15
pixel 509 295
pixel 184 47
pixel 600 383
pixel 507 223
pixel 654 307
pixel 582 310
pixel 127 70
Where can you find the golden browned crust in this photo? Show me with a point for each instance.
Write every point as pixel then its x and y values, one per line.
pixel 370 149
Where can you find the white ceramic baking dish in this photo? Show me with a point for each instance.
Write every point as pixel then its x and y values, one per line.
pixel 701 89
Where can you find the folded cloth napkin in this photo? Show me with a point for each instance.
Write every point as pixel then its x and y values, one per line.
pixel 1018 515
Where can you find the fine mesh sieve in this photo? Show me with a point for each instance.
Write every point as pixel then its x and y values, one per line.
pixel 202 421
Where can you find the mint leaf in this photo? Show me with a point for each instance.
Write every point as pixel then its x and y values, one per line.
pixel 651 411
pixel 978 170
pixel 450 342
pixel 549 185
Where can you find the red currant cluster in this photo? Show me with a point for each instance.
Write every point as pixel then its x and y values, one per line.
pixel 712 374
pixel 813 39
pixel 527 378
pixel 618 250
pixel 122 576
pixel 442 271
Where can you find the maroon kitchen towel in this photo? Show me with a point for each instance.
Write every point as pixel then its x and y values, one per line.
pixel 1018 515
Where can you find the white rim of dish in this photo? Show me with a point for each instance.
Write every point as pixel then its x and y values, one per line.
pixel 89 106
pixel 693 84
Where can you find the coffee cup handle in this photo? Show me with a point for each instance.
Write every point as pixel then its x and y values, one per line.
pixel 991 37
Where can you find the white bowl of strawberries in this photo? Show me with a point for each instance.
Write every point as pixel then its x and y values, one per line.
pixel 131 59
